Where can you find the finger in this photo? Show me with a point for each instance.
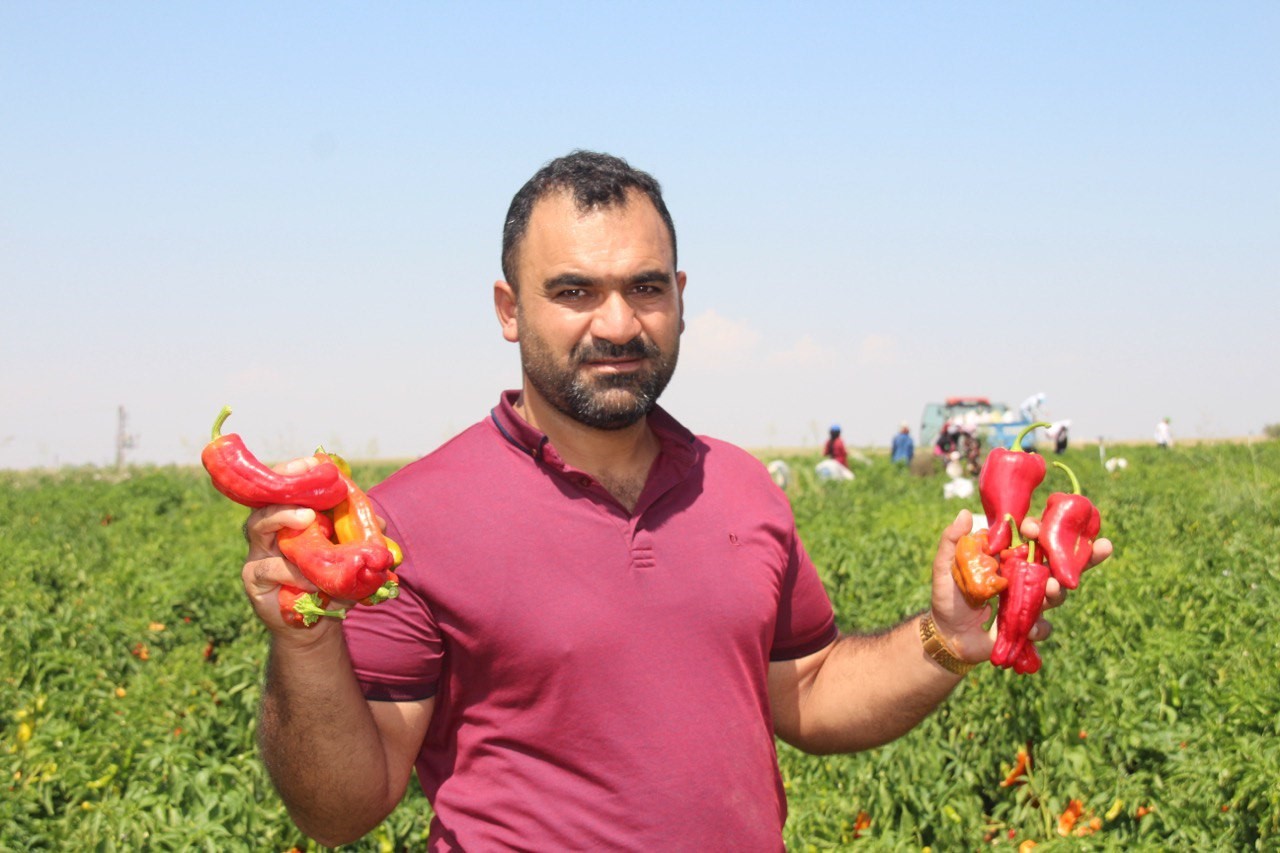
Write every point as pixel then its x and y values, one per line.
pixel 1030 528
pixel 265 575
pixel 1102 549
pixel 261 526
pixel 1040 631
pixel 962 525
pixel 269 519
pixel 297 466
pixel 1055 594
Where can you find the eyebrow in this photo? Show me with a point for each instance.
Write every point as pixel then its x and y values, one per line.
pixel 570 280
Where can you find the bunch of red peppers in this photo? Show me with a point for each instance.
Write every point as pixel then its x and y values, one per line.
pixel 995 562
pixel 343 552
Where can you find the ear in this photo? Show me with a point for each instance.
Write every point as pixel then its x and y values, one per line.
pixel 504 304
pixel 681 278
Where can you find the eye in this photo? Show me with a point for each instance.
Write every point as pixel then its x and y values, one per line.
pixel 569 294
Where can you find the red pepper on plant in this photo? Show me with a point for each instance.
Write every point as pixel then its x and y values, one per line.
pixel 354 571
pixel 1005 484
pixel 1021 603
pixel 239 475
pixel 1070 524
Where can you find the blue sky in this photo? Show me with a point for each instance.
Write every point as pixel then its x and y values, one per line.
pixel 296 209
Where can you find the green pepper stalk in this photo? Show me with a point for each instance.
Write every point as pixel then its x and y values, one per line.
pixel 304 609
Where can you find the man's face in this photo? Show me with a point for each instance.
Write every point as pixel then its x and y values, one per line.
pixel 599 311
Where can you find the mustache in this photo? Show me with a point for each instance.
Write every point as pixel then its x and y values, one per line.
pixel 637 347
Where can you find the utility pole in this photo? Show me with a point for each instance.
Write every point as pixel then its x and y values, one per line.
pixel 124 441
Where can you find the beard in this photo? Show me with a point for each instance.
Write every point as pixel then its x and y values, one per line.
pixel 609 401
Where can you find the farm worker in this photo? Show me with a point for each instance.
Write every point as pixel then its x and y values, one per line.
pixel 1057 432
pixel 903 447
pixel 1029 409
pixel 604 619
pixel 834 448
pixel 1164 435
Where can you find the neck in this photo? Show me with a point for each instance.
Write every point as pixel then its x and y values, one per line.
pixel 619 459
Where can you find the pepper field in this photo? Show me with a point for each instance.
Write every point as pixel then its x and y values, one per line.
pixel 130 666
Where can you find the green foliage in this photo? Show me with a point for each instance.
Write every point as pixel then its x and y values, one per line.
pixel 130 670
pixel 1159 683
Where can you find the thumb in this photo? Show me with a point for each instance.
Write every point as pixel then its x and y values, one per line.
pixel 958 528
pixel 947 544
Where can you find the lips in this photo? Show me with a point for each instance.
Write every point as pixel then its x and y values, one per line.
pixel 615 362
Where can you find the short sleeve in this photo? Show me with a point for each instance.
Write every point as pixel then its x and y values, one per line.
pixel 806 621
pixel 395 646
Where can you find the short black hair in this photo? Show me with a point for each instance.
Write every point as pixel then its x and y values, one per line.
pixel 595 180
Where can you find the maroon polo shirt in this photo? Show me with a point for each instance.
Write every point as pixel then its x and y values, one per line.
pixel 599 674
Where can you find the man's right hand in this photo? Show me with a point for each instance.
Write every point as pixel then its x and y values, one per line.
pixel 266 569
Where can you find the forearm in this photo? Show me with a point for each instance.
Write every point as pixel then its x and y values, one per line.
pixel 868 690
pixel 320 742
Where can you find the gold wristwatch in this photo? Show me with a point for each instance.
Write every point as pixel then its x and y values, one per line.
pixel 936 649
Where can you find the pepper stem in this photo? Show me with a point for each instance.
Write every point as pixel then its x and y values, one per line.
pixel 1013 529
pixel 308 607
pixel 1017 442
pixel 217 424
pixel 386 592
pixel 1075 484
pixel 1031 551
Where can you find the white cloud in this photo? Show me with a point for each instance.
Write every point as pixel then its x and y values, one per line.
pixel 713 341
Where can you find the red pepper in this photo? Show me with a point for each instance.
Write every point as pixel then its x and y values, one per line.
pixel 304 609
pixel 1028 660
pixel 239 475
pixel 1021 603
pixel 352 572
pixel 1005 484
pixel 1067 530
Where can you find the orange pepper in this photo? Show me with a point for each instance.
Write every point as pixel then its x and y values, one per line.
pixel 1019 769
pixel 355 520
pixel 1069 817
pixel 976 572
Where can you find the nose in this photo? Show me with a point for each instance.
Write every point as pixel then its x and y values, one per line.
pixel 615 320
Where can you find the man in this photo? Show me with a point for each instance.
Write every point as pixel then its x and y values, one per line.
pixel 603 618
pixel 903 448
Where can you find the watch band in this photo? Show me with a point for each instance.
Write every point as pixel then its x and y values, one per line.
pixel 936 649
